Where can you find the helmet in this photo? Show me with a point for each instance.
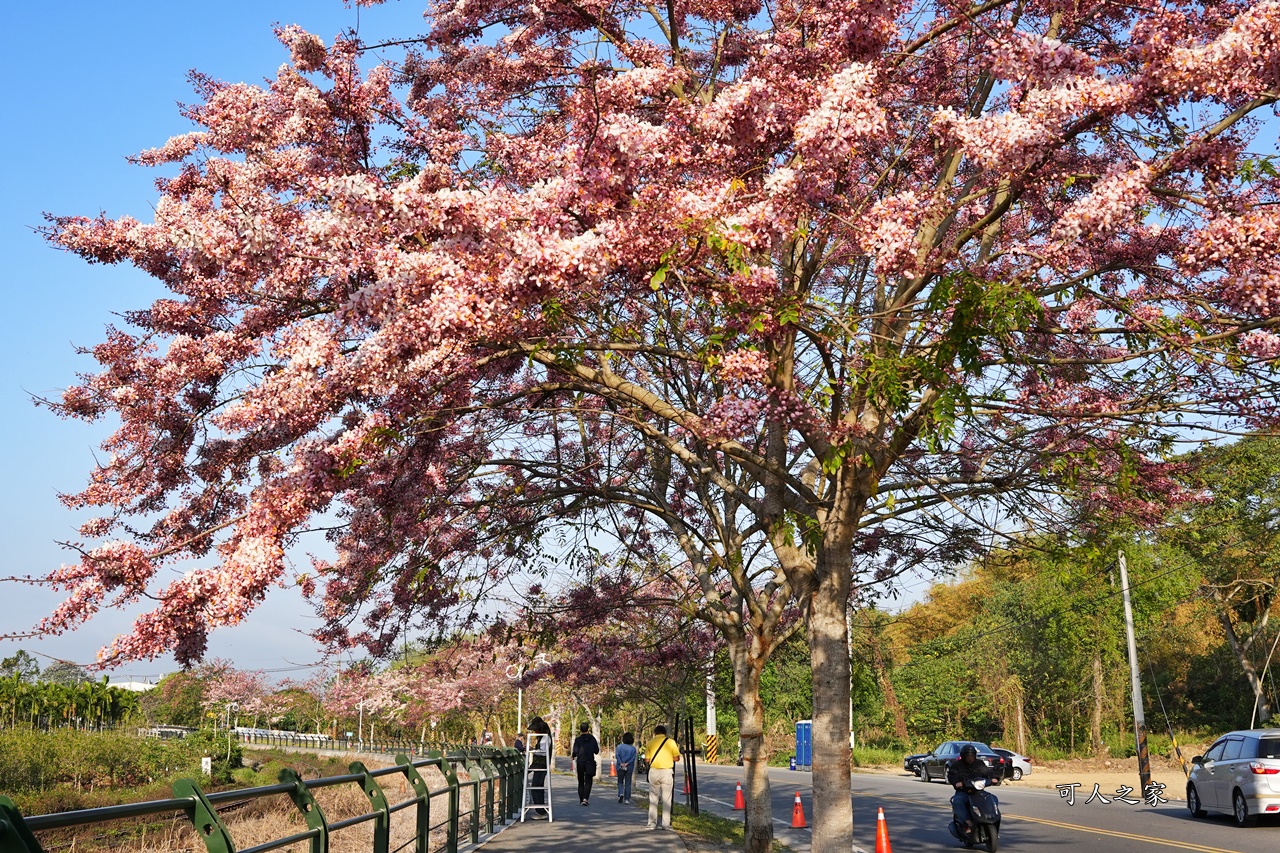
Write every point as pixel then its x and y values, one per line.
pixel 968 752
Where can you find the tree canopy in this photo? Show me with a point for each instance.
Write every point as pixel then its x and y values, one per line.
pixel 846 279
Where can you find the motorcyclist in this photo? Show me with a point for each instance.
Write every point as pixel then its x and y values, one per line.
pixel 961 774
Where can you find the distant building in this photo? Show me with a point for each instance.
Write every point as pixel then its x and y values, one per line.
pixel 135 686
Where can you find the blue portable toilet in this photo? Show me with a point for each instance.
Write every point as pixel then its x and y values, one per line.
pixel 804 744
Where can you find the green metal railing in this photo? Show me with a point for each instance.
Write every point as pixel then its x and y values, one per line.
pixel 495 781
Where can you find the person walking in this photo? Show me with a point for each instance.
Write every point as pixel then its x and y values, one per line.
pixel 624 756
pixel 585 750
pixel 662 753
pixel 539 760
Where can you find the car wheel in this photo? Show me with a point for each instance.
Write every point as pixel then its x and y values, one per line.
pixel 924 774
pixel 1193 802
pixel 1240 810
pixel 1017 773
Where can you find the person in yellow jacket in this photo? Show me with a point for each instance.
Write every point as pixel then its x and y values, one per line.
pixel 662 753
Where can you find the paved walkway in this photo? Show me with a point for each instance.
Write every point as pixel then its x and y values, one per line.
pixel 605 826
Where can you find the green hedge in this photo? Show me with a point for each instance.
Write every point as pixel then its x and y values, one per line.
pixel 34 761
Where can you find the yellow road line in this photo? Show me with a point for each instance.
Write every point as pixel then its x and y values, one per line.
pixel 1181 845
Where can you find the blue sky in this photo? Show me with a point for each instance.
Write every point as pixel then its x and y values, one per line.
pixel 88 84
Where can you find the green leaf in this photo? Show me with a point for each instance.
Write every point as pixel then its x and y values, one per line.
pixel 659 277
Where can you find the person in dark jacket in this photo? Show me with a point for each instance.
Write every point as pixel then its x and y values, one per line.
pixel 539 748
pixel 961 775
pixel 585 750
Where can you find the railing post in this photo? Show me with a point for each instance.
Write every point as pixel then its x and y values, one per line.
pixel 515 785
pixel 423 793
pixel 381 824
pixel 500 762
pixel 446 767
pixel 311 812
pixel 474 785
pixel 14 835
pixel 491 774
pixel 515 799
pixel 205 818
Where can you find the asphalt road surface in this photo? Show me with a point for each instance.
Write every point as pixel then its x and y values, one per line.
pixel 917 814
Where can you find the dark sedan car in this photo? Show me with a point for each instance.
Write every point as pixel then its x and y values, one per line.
pixel 934 765
pixel 911 763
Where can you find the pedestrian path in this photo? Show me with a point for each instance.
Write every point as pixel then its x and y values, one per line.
pixel 605 826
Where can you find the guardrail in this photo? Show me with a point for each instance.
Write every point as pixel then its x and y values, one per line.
pixel 310 742
pixel 495 783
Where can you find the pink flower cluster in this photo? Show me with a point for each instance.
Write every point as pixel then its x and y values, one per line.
pixel 848 116
pixel 892 225
pixel 1031 57
pixel 1111 203
pixel 744 366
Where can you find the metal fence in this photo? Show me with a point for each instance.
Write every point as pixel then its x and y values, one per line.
pixel 324 742
pixel 495 784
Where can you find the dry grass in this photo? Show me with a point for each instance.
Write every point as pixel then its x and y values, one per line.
pixel 267 819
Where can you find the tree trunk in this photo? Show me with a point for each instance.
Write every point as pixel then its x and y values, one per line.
pixel 1250 673
pixel 1099 694
pixel 832 785
pixel 758 821
pixel 1022 726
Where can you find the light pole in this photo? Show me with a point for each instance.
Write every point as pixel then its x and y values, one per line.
pixel 515 672
pixel 360 728
pixel 232 707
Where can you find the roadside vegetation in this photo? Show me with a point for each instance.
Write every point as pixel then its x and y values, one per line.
pixel 706 832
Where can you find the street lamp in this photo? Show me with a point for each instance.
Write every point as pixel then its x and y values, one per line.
pixel 360 727
pixel 232 707
pixel 518 676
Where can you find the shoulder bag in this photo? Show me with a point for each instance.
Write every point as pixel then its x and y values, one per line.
pixel 643 761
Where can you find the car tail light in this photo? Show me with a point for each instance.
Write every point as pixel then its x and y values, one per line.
pixel 1257 768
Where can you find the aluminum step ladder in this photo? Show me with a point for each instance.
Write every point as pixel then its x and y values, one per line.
pixel 537 745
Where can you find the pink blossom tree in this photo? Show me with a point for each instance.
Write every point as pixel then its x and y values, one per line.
pixel 790 291
pixel 234 691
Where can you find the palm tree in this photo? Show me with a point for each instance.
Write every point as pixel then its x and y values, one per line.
pixel 9 689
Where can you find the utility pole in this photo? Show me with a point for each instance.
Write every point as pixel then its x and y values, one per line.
pixel 713 742
pixel 1139 720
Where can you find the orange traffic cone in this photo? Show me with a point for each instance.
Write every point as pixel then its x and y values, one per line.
pixel 738 803
pixel 797 814
pixel 613 767
pixel 882 834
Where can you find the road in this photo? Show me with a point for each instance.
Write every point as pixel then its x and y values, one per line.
pixel 917 814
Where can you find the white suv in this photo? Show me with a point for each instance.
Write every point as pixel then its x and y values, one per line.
pixel 1240 774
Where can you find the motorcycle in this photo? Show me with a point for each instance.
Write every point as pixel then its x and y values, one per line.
pixel 984 818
